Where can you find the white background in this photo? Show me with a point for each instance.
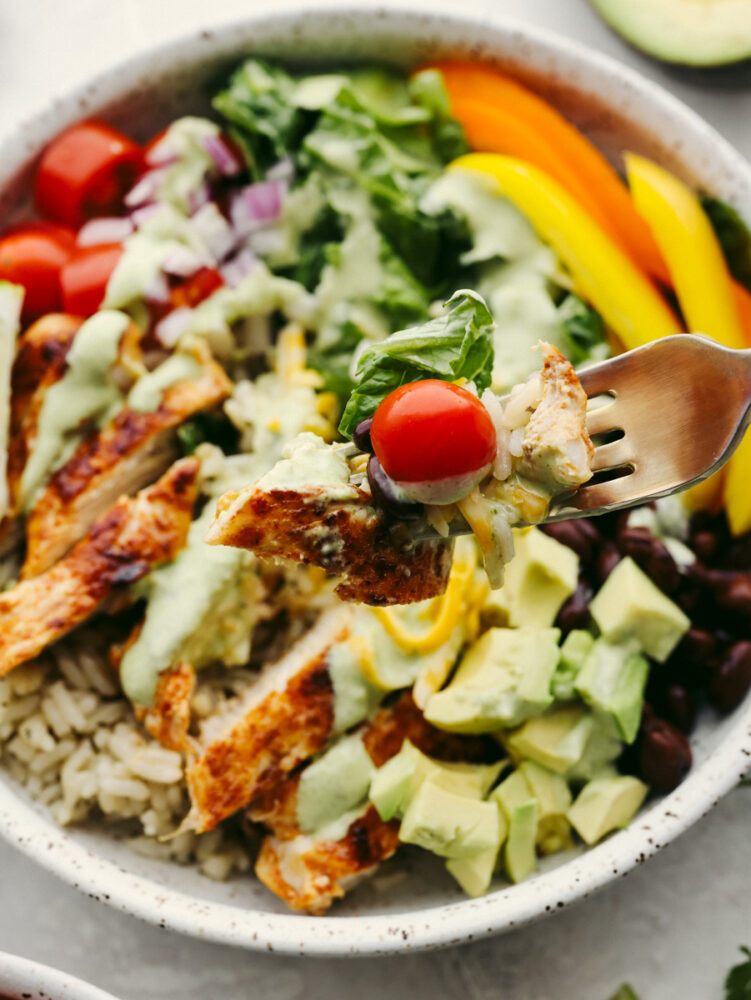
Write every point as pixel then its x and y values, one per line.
pixel 672 928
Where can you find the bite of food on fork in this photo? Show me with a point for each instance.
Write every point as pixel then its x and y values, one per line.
pixel 434 458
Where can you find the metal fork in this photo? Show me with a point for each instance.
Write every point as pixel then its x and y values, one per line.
pixel 679 405
pixel 670 414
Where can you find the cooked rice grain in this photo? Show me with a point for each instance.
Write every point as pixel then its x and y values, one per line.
pixel 71 740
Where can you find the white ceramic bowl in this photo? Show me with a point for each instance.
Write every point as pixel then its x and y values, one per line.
pixel 22 979
pixel 388 914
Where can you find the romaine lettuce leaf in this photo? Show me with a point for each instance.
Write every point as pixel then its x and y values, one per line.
pixel 457 344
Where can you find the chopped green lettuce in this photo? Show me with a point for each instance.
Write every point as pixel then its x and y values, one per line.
pixel 583 330
pixel 457 344
pixel 738 980
pixel 734 236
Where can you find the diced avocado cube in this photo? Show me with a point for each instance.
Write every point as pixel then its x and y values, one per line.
pixel 556 740
pixel 602 748
pixel 606 804
pixel 513 791
pixel 502 680
pixel 519 853
pixel 612 681
pixel 540 577
pixel 395 783
pixel 629 606
pixel 575 649
pixel 334 783
pixel 475 873
pixel 554 799
pixel 452 826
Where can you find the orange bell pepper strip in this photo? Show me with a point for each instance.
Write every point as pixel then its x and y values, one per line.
pixel 742 298
pixel 494 130
pixel 466 81
pixel 601 271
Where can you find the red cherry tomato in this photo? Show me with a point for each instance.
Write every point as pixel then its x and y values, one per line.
pixel 85 275
pixel 427 431
pixel 85 172
pixel 33 255
pixel 196 288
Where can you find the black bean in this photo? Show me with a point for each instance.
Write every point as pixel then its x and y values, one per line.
pixel 384 496
pixel 664 754
pixel 652 555
pixel 731 680
pixel 607 559
pixel 698 647
pixel 580 535
pixel 575 612
pixel 361 436
pixel 705 545
pixel 680 707
pixel 738 554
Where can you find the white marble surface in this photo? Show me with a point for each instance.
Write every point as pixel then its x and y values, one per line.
pixel 672 928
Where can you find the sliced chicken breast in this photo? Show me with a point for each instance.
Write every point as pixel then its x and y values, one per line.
pixel 127 454
pixel 119 548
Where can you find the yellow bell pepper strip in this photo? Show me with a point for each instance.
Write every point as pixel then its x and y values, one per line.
pixel 465 81
pixel 495 130
pixel 707 298
pixel 737 493
pixel 693 254
pixel 601 271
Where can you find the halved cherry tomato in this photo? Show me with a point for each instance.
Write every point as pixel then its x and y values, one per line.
pixel 85 275
pixel 32 255
pixel 196 288
pixel 431 430
pixel 85 172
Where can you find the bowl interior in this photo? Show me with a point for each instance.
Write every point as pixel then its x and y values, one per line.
pixel 411 902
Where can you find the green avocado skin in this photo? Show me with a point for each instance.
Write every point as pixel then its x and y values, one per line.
pixel 681 31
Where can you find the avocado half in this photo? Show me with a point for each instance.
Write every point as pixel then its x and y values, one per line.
pixel 690 32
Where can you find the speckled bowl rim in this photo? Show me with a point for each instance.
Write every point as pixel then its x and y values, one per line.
pixel 38 837
pixel 24 979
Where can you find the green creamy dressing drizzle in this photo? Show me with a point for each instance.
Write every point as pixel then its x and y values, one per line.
pixel 334 784
pixel 309 462
pixel 146 394
pixel 354 697
pixel 182 603
pixel 86 392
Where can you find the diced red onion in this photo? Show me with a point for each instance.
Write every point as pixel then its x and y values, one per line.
pixel 141 215
pixel 256 205
pixel 284 170
pixel 161 155
pixel 169 329
pixel 145 189
pixel 182 262
pixel 238 267
pixel 210 226
pixel 157 291
pixel 198 198
pixel 106 230
pixel 223 156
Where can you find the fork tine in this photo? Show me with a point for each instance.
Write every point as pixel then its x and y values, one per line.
pixel 610 494
pixel 600 378
pixel 602 419
pixel 613 455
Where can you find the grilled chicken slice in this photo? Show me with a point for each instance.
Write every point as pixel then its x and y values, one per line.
pixel 40 362
pixel 556 450
pixel 168 719
pixel 127 454
pixel 309 871
pixel 318 517
pixel 258 738
pixel 119 548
